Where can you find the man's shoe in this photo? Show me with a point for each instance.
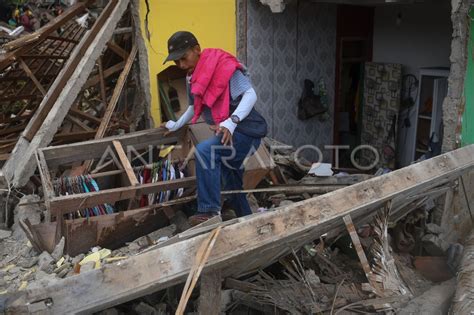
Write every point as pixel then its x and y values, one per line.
pixel 200 218
pixel 228 214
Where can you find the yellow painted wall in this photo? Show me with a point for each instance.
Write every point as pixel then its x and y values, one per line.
pixel 211 21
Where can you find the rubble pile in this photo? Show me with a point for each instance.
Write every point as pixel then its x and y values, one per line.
pixel 95 213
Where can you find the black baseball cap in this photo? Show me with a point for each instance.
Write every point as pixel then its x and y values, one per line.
pixel 179 43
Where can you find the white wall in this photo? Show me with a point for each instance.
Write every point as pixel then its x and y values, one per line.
pixel 423 38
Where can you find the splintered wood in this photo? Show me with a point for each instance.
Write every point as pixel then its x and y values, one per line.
pixel 64 88
pixel 241 247
pixel 383 276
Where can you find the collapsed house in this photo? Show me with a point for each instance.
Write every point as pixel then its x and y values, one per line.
pixel 107 230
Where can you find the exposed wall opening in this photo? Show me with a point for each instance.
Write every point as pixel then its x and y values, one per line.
pixel 384 64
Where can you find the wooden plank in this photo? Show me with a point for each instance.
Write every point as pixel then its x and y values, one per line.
pixel 210 293
pixel 113 100
pixel 118 50
pixel 60 82
pixel 166 185
pixel 46 233
pixel 33 78
pixel 93 149
pixel 80 114
pixel 68 204
pixel 123 30
pixel 11 130
pixel 125 163
pixel 48 190
pixel 242 246
pixel 20 97
pixel 200 260
pixel 107 73
pixel 112 230
pixel 78 123
pixel 44 56
pixel 103 93
pixel 4 156
pixel 360 253
pixel 31 235
pixel 116 94
pixel 201 228
pixel 74 136
pixel 108 231
pixel 63 39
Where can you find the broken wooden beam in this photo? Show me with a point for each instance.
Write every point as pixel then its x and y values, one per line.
pixel 360 252
pixel 107 231
pixel 57 88
pixel 47 119
pixel 119 51
pixel 94 149
pixel 107 73
pixel 210 293
pixel 254 242
pixel 31 75
pixel 69 204
pixel 132 179
pixel 116 94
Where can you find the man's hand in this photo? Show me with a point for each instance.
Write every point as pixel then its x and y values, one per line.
pixel 164 125
pixel 226 135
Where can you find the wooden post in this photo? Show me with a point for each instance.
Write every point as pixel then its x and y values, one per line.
pixel 125 163
pixel 210 296
pixel 48 189
pixel 116 94
pixel 32 76
pixel 103 93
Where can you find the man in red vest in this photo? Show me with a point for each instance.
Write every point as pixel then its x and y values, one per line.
pixel 220 91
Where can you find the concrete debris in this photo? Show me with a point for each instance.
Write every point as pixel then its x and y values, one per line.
pixel 42 279
pixel 46 262
pixel 29 262
pixel 5 234
pixel 434 245
pixel 58 250
pixel 134 247
pixel 88 266
pixel 434 229
pixel 463 302
pixel 324 277
pixel 436 300
pixel 454 256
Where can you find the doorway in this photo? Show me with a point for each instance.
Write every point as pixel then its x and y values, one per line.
pixel 354 47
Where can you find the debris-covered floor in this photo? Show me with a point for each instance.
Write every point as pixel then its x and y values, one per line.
pixel 321 240
pixel 400 263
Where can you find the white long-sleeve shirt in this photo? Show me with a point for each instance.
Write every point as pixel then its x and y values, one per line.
pixel 249 98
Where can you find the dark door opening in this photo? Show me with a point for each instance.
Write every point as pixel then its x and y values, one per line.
pixel 354 47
